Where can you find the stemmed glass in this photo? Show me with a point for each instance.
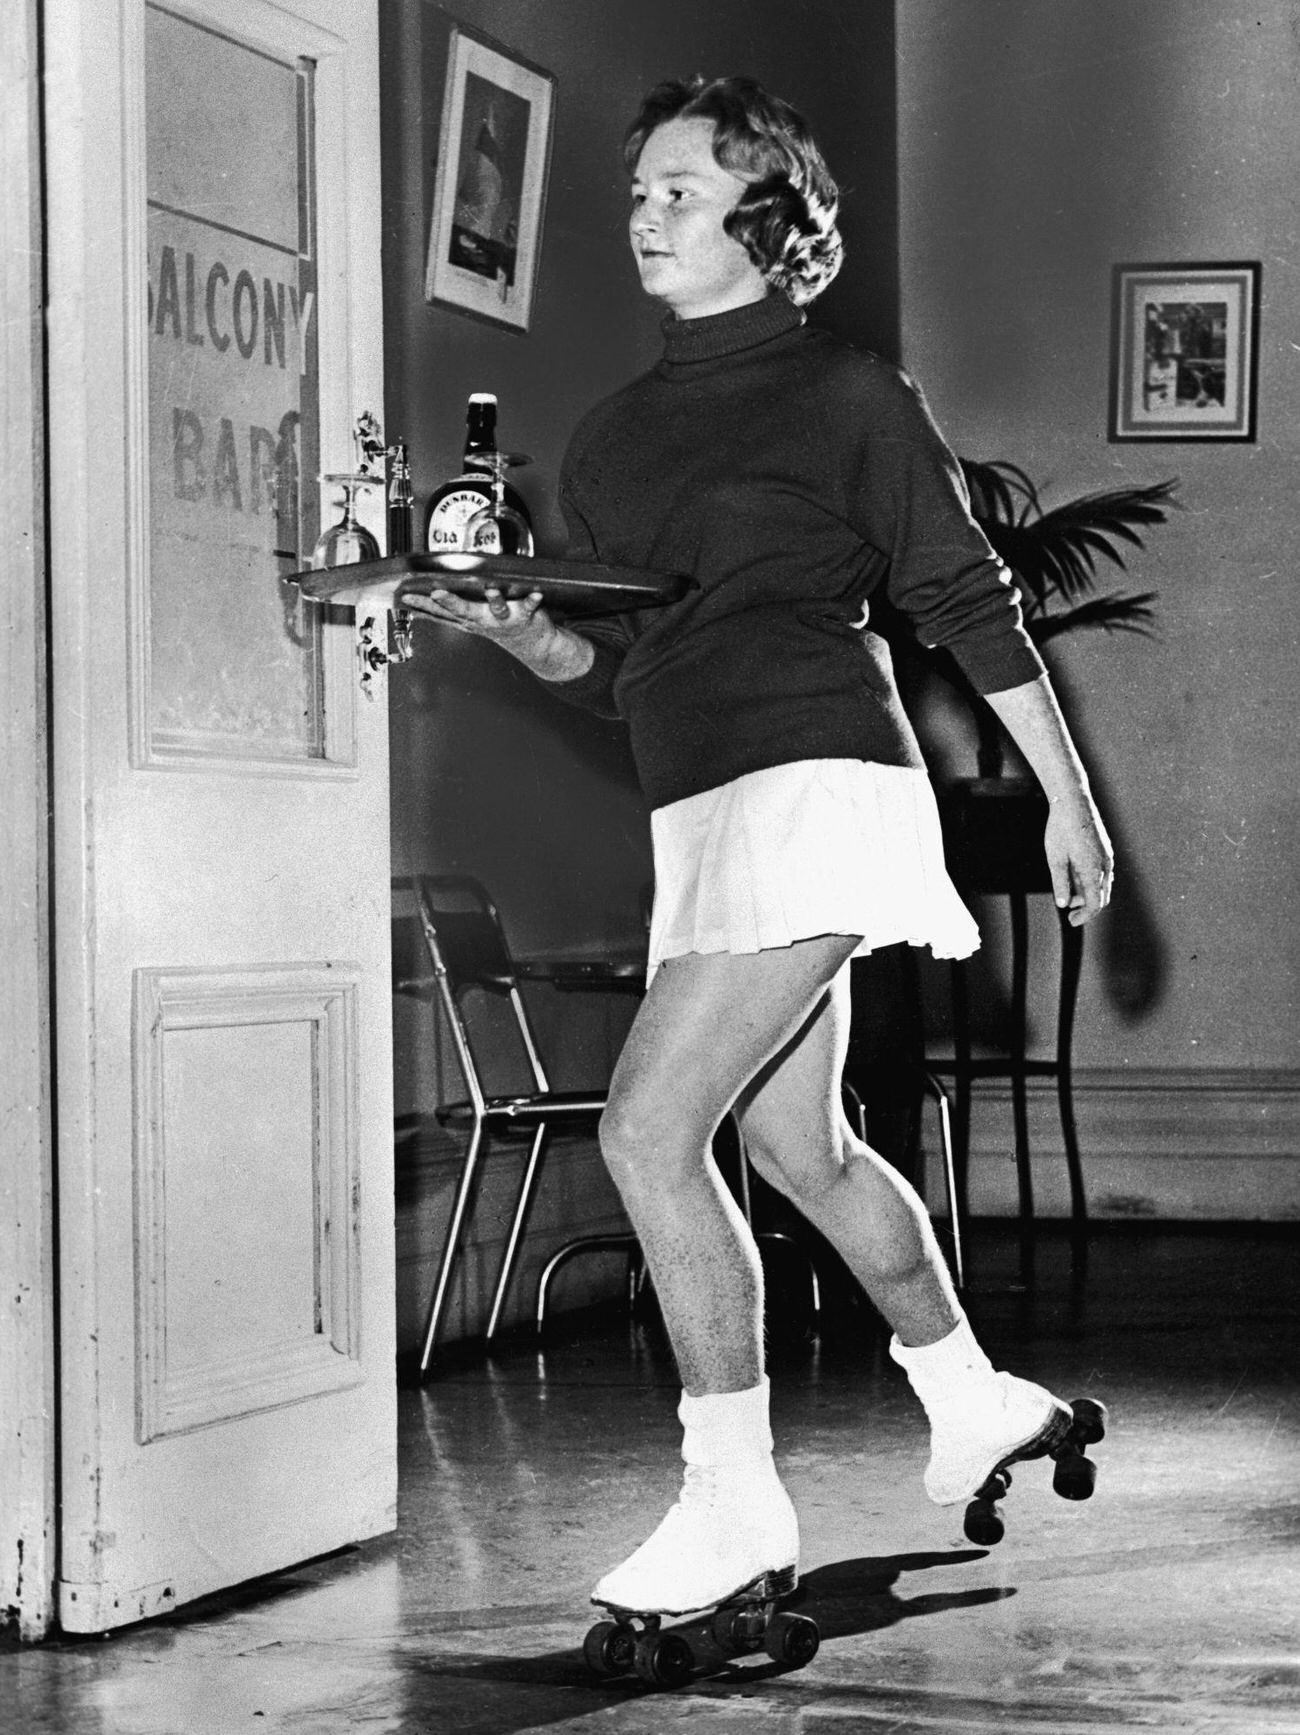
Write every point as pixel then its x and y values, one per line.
pixel 348 541
pixel 497 528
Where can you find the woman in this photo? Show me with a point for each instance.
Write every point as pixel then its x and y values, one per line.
pixel 796 479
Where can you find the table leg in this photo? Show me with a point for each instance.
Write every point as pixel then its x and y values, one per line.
pixel 1071 965
pixel 1019 1095
pixel 961 1085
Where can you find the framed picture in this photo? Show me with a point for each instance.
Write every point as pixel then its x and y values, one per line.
pixel 489 191
pixel 1184 352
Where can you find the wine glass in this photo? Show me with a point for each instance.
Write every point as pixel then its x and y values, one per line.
pixel 348 541
pixel 497 528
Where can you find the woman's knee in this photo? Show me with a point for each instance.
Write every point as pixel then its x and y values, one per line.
pixel 618 1135
pixel 646 1141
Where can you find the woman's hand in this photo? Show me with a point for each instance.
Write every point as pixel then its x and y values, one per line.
pixel 519 625
pixel 1080 857
pixel 510 622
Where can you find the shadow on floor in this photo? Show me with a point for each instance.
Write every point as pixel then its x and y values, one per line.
pixel 847 1598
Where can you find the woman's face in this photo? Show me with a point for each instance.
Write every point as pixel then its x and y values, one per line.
pixel 680 196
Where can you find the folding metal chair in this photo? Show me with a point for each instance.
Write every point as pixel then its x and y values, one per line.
pixel 467 949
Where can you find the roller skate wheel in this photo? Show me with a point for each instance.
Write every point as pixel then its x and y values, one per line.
pixel 663 1659
pixel 609 1648
pixel 1089 1421
pixel 1075 1477
pixel 983 1525
pixel 793 1639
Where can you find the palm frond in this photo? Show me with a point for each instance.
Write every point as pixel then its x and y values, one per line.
pixel 1058 552
pixel 1000 491
pixel 1071 539
pixel 1112 614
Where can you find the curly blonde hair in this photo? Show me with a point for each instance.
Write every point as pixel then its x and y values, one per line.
pixel 785 219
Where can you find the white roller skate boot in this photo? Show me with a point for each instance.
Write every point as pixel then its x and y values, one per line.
pixel 733 1523
pixel 980 1420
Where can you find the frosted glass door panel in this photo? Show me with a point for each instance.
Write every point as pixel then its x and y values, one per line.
pixel 234 660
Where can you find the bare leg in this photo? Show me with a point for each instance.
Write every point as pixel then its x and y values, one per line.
pixel 708 1024
pixel 798 1139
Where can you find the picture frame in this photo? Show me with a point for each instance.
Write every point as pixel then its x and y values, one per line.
pixel 1184 352
pixel 489 195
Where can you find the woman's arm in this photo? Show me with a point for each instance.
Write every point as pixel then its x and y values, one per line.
pixel 1079 854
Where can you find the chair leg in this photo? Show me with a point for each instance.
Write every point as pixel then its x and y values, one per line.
pixel 1071 965
pixel 1019 1092
pixel 587 1244
pixel 516 1228
pixel 792 1241
pixel 452 1244
pixel 961 1080
pixel 742 1171
pixel 950 1178
pixel 853 1100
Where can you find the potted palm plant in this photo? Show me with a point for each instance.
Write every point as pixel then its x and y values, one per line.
pixel 1056 556
pixel 993 821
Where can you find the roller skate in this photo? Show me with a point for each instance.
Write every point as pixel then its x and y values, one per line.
pixel 1062 1438
pixel 725 1556
pixel 982 1422
pixel 635 1641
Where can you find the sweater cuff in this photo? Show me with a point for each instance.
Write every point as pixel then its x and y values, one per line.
pixel 993 665
pixel 594 689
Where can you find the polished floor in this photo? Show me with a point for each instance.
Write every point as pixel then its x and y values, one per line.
pixel 1171 1601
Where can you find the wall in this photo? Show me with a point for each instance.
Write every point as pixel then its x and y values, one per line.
pixel 1040 141
pixel 492 775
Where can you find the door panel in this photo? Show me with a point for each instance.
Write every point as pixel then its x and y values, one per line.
pixel 221 819
pixel 246 1104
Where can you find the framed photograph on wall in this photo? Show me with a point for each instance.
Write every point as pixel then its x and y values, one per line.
pixel 1184 352
pixel 489 193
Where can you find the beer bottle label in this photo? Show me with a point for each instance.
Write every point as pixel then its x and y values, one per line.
pixel 450 513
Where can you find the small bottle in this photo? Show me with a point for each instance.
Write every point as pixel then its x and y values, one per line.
pixel 456 502
pixel 401 529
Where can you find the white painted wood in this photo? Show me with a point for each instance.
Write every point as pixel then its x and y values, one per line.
pixel 224 1052
pixel 247 1104
pixel 27 1376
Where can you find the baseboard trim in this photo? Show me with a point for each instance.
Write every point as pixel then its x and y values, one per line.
pixel 1170 1143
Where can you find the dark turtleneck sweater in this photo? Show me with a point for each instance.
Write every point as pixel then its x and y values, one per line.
pixel 796 480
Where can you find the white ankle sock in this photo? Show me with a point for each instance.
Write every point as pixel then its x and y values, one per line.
pixel 726 1427
pixel 937 1370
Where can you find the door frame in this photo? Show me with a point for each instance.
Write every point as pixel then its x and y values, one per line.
pixel 28 1366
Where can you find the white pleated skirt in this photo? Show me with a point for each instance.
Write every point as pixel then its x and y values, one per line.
pixel 821 846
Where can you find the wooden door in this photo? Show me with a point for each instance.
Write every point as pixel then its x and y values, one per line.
pixel 27 1404
pixel 220 795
